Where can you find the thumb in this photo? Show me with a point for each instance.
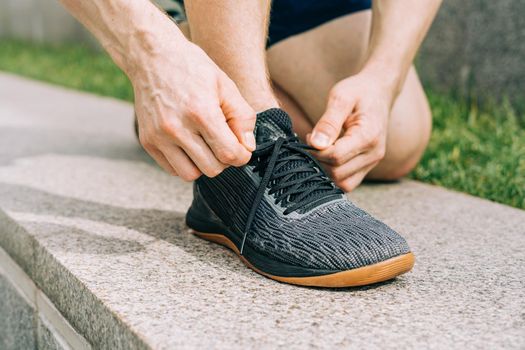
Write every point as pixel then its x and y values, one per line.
pixel 328 128
pixel 239 115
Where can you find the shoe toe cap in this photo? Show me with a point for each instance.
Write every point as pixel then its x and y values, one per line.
pixel 368 241
pixel 337 238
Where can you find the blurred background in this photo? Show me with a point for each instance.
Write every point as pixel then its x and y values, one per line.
pixel 472 65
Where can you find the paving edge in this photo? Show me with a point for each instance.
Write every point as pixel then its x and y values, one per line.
pixel 103 329
pixel 63 331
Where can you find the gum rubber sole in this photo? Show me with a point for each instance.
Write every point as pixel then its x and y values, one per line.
pixel 382 271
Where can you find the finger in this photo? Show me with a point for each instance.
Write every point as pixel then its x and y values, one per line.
pixel 328 128
pixel 352 182
pixel 344 149
pixel 239 114
pixel 352 167
pixel 222 141
pixel 202 156
pixel 161 160
pixel 180 161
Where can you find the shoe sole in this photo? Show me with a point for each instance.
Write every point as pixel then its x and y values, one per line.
pixel 379 272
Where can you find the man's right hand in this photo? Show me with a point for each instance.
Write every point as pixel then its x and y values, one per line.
pixel 192 118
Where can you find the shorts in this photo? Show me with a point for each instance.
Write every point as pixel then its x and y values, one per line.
pixel 291 17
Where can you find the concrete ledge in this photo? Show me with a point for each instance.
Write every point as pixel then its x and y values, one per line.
pixel 23 306
pixel 99 229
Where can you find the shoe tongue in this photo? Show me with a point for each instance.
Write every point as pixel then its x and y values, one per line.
pixel 272 124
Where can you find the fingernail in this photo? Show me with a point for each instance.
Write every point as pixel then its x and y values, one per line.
pixel 249 139
pixel 319 139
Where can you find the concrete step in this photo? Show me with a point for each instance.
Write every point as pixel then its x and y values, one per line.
pixel 99 230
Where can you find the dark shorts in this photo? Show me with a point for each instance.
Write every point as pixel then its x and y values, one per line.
pixel 291 17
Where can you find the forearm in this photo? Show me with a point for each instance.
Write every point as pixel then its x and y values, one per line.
pixel 398 28
pixel 132 32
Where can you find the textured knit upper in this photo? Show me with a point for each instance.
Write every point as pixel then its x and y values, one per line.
pixel 330 234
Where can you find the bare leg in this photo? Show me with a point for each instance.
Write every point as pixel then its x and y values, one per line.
pixel 233 34
pixel 306 67
pixel 301 124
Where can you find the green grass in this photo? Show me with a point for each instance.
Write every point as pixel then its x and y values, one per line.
pixel 73 66
pixel 478 151
pixel 481 152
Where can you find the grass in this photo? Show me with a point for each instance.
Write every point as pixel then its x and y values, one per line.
pixel 73 66
pixel 481 152
pixel 473 150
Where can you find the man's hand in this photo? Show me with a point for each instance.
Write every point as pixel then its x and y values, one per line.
pixel 351 135
pixel 359 106
pixel 192 118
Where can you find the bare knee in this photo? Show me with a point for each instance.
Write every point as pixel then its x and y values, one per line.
pixel 399 164
pixel 400 160
pixel 404 149
pixel 409 131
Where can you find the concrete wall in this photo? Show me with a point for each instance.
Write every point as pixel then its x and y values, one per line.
pixel 45 21
pixel 40 21
pixel 476 47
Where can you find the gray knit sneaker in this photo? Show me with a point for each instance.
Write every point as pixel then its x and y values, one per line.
pixel 287 220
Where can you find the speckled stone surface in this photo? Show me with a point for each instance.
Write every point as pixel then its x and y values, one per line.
pixel 21 325
pixel 105 240
pixel 17 318
pixel 47 338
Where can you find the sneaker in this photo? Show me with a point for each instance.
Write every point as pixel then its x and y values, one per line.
pixel 285 219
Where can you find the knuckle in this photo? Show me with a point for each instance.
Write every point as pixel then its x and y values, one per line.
pixel 194 177
pixel 347 185
pixel 197 112
pixel 190 175
pixel 380 153
pixel 346 188
pixel 336 174
pixel 229 87
pixel 247 117
pixel 332 158
pixel 146 142
pixel 371 140
pixel 337 96
pixel 242 159
pixel 171 171
pixel 226 155
pixel 165 126
pixel 170 130
pixel 185 177
pixel 214 172
pixel 336 157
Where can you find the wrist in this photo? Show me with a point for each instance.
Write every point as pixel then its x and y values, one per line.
pixel 386 77
pixel 149 50
pixel 142 35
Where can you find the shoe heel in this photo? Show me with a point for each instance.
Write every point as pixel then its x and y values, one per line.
pixel 201 218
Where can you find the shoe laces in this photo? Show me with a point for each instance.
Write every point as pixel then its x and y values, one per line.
pixel 292 175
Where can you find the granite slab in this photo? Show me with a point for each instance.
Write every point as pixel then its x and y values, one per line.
pixel 100 229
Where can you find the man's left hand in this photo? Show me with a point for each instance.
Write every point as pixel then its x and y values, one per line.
pixel 351 134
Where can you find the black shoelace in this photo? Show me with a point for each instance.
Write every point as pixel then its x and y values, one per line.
pixel 296 187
